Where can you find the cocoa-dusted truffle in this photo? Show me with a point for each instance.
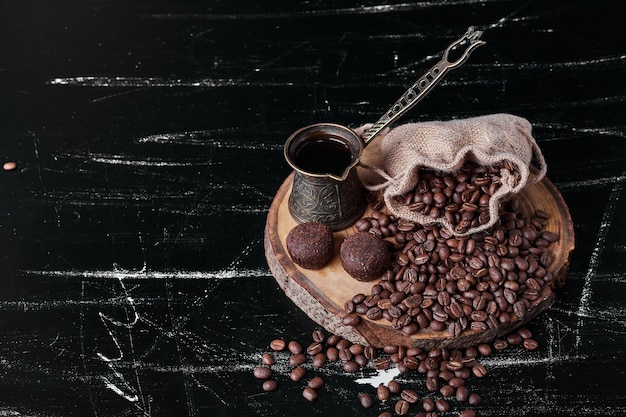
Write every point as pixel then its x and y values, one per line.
pixel 311 245
pixel 364 256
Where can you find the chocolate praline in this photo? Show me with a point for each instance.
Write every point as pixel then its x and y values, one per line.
pixel 311 245
pixel 364 256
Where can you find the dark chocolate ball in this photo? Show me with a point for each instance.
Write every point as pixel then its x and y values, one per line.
pixel 364 256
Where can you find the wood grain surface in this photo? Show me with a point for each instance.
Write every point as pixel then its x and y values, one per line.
pixel 322 293
pixel 148 136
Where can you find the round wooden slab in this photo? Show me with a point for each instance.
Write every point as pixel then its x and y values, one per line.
pixel 322 294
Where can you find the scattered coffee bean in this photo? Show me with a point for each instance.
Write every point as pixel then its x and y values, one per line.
pixel 382 392
pixel 442 405
pixel 394 387
pixel 428 405
pixel 314 348
pixel 462 394
pixel 479 370
pixel 268 359
pixel 447 390
pixel 297 374
pixel 351 320
pixel 277 345
pixel 530 344
pixel 297 359
pixel 316 383
pixel 9 166
pixel 318 335
pixel 270 385
pixel 467 413
pixel 262 372
pixel 366 400
pixel 351 366
pixel 500 344
pixel 474 399
pixel 309 394
pixel 409 396
pixel 402 407
pixel 332 354
pixel 319 360
pixel 294 347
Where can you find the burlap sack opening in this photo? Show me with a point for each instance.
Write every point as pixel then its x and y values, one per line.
pixel 446 146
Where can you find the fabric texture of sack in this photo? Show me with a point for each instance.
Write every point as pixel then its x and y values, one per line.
pixel 446 145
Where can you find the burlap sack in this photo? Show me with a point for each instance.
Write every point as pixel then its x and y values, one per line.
pixel 445 146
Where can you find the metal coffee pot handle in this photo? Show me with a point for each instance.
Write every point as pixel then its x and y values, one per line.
pixel 415 93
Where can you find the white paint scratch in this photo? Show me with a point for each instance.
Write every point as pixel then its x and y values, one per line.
pixel 587 291
pixel 125 274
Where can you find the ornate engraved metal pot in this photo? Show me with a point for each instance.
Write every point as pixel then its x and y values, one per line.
pixel 325 185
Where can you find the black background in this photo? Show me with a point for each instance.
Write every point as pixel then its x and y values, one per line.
pixel 148 140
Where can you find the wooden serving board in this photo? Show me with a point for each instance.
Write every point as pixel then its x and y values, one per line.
pixel 322 294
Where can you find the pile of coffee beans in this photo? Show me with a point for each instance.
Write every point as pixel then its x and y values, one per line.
pixel 440 282
pixel 446 371
pixel 461 198
pixel 447 283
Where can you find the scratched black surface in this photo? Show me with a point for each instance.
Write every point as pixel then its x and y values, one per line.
pixel 148 141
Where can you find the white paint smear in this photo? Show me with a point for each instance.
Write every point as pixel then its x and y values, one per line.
pixel 144 274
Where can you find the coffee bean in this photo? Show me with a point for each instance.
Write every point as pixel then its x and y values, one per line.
pixel 456 382
pixel 297 359
pixel 447 390
pixel 318 335
pixel 319 360
pixel 294 347
pixel 401 407
pixel 381 363
pixel 462 394
pixel 479 371
pixel 270 385
pixel 530 344
pixel 382 392
pixel 366 400
pixel 500 344
pixel 277 345
pixel 369 352
pixel 428 405
pixel 409 396
pixel 385 414
pixel 345 355
pixel 309 394
pixel 442 405
pixel 332 354
pixel 316 383
pixel 356 349
pixel 467 413
pixel 519 308
pixel 361 360
pixel 484 349
pixel 351 320
pixel 474 399
pixel 411 362
pixel 513 339
pixel 374 313
pixel 314 348
pixel 394 387
pixel 262 372
pixel 432 384
pixel 351 366
pixel 268 359
pixel 297 374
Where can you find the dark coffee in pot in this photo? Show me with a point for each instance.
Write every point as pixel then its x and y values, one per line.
pixel 323 154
